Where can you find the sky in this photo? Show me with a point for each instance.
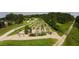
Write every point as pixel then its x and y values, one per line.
pixel 3 14
pixel 74 13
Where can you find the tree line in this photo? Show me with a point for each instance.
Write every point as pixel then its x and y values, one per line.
pixel 51 18
pixel 13 18
pixel 77 22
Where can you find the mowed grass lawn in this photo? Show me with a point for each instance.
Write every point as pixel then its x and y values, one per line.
pixel 73 38
pixel 63 27
pixel 8 28
pixel 38 42
pixel 17 31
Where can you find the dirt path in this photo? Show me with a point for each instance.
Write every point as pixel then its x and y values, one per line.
pixel 62 39
pixel 54 35
pixel 9 32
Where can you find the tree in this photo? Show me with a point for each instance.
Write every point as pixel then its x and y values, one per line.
pixel 14 19
pixel 77 22
pixel 11 18
pixel 61 17
pixel 2 24
pixel 20 18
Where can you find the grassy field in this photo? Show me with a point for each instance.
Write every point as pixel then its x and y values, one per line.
pixel 73 38
pixel 63 27
pixel 8 28
pixel 17 31
pixel 39 42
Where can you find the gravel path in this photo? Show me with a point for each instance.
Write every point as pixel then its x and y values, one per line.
pixel 62 39
pixel 54 35
pixel 9 32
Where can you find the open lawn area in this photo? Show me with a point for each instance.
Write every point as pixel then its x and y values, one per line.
pixel 17 31
pixel 8 28
pixel 73 38
pixel 63 27
pixel 38 42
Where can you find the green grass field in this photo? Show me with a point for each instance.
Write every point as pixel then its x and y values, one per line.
pixel 38 42
pixel 17 31
pixel 63 27
pixel 73 38
pixel 8 28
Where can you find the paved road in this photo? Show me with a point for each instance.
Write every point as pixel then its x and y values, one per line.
pixel 62 39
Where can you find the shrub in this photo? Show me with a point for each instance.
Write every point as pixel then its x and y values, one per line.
pixel 32 34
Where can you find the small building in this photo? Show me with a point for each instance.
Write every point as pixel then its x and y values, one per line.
pixel 3 23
